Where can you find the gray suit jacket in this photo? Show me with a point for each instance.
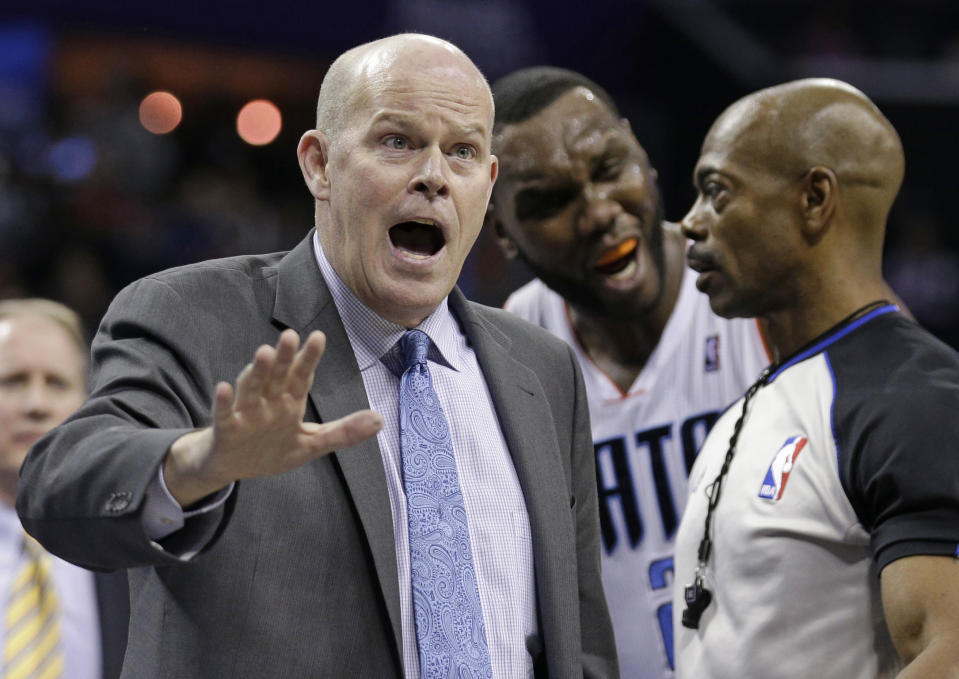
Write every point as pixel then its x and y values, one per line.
pixel 300 579
pixel 113 606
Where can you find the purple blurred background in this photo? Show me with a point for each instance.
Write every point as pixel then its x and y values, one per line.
pixel 90 200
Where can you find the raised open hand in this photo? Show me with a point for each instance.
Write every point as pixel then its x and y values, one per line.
pixel 258 428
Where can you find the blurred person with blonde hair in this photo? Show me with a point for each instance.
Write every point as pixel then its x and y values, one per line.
pixel 43 364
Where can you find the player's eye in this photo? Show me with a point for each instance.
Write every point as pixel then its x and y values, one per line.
pixel 543 203
pixel 610 168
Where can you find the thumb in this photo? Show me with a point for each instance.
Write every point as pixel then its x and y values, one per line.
pixel 342 433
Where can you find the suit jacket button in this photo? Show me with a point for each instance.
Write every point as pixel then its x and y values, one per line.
pixel 117 502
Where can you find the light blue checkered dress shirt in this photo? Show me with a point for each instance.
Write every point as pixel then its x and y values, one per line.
pixel 495 507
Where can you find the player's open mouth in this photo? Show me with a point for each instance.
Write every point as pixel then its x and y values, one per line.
pixel 616 260
pixel 418 237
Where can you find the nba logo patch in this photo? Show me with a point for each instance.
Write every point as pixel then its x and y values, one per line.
pixel 778 473
pixel 712 353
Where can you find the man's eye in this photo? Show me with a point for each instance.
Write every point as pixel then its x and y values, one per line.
pixel 465 152
pixel 58 383
pixel 716 194
pixel 12 381
pixel 397 143
pixel 610 168
pixel 543 203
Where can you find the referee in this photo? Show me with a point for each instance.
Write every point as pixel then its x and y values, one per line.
pixel 821 531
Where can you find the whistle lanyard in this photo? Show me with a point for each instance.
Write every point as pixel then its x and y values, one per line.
pixel 696 595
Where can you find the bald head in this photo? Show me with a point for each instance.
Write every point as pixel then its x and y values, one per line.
pixel 793 127
pixel 364 68
pixel 795 183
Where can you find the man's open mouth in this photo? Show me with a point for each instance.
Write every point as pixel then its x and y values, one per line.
pixel 616 259
pixel 419 237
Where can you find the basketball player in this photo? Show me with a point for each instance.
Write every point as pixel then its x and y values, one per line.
pixel 577 201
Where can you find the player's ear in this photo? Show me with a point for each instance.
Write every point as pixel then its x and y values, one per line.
pixel 313 154
pixel 818 201
pixel 492 223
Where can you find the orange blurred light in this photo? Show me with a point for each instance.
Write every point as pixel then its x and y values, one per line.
pixel 259 122
pixel 160 112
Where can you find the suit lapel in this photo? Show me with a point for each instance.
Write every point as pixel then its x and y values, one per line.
pixel 303 302
pixel 528 427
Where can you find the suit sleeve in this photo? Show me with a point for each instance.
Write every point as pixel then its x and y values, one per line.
pixel 599 650
pixel 83 485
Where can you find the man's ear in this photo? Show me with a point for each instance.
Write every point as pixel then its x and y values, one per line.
pixel 491 223
pixel 313 154
pixel 820 193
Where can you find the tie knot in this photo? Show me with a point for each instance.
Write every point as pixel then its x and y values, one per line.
pixel 414 345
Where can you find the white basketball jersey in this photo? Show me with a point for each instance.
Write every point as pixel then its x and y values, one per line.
pixel 645 442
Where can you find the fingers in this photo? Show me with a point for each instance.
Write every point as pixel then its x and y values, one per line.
pixel 344 432
pixel 250 383
pixel 304 365
pixel 285 351
pixel 258 427
pixel 276 371
pixel 222 402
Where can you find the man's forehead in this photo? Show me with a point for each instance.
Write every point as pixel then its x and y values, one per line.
pixel 407 55
pixel 580 97
pixel 575 114
pixel 733 159
pixel 29 325
pixel 31 339
pixel 742 131
pixel 553 140
pixel 453 91
pixel 464 123
pixel 732 128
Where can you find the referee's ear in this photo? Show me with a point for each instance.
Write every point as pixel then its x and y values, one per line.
pixel 819 193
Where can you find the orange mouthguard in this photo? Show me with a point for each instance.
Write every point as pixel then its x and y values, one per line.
pixel 620 250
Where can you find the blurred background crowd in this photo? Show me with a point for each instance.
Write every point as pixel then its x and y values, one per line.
pixel 123 150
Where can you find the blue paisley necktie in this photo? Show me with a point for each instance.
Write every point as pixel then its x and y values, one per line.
pixel 446 605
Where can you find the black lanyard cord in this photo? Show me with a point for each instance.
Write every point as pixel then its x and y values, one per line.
pixel 714 489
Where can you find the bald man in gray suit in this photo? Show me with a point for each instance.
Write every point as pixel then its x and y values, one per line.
pixel 263 516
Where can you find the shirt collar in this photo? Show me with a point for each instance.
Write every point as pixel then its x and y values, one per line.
pixel 374 338
pixel 11 532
